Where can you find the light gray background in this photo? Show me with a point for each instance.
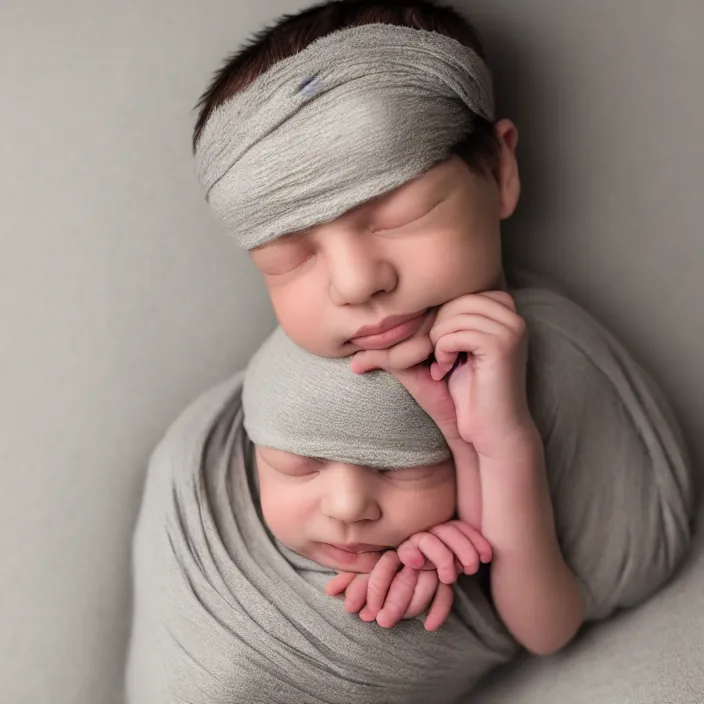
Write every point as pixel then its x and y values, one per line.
pixel 121 298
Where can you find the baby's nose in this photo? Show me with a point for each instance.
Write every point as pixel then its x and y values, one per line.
pixel 349 495
pixel 356 269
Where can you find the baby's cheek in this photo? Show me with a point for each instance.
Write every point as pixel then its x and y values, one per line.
pixel 444 506
pixel 301 317
pixel 284 512
pixel 304 312
pixel 427 508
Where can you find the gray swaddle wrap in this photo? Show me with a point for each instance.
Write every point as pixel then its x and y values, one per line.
pixel 224 615
pixel 354 115
pixel 316 407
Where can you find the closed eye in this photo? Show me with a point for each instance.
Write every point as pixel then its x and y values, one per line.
pixel 389 227
pixel 299 469
pixel 289 463
pixel 283 256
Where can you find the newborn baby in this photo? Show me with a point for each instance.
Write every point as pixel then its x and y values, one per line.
pixel 349 467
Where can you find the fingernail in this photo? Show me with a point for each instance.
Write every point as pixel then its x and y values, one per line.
pixel 381 615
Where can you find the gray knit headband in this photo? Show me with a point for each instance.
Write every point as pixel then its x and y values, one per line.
pixel 356 114
pixel 316 407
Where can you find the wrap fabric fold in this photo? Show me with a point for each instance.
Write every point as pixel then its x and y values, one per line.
pixel 291 403
pixel 225 614
pixel 352 116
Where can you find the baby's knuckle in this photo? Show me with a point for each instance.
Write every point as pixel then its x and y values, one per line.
pixel 444 560
pixel 443 345
pixel 407 578
pixel 519 326
pixel 438 529
pixel 506 341
pixel 505 298
pixel 393 610
pixel 377 585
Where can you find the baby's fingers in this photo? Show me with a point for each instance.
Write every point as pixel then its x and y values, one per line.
pixel 398 598
pixel 460 544
pixel 481 544
pixel 410 555
pixel 439 554
pixel 356 593
pixel 440 608
pixel 380 580
pixel 405 355
pixel 339 583
pixel 423 595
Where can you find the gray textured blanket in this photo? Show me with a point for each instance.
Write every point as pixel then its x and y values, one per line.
pixel 224 614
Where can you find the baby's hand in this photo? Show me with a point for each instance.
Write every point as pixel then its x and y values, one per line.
pixel 489 388
pixel 450 548
pixel 388 594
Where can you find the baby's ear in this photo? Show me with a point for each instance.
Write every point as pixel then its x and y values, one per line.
pixel 506 169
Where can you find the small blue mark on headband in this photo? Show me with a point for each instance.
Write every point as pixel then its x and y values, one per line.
pixel 310 86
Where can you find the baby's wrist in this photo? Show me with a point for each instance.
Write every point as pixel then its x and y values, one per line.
pixel 517 442
pixel 463 454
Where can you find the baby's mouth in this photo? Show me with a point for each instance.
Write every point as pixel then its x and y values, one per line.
pixel 342 553
pixel 358 547
pixel 391 333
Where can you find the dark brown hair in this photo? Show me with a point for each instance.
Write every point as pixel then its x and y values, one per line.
pixel 293 33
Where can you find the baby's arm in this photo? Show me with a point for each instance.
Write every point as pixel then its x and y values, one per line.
pixel 468 482
pixel 534 591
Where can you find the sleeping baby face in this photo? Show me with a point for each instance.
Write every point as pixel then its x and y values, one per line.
pixel 375 276
pixel 343 515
